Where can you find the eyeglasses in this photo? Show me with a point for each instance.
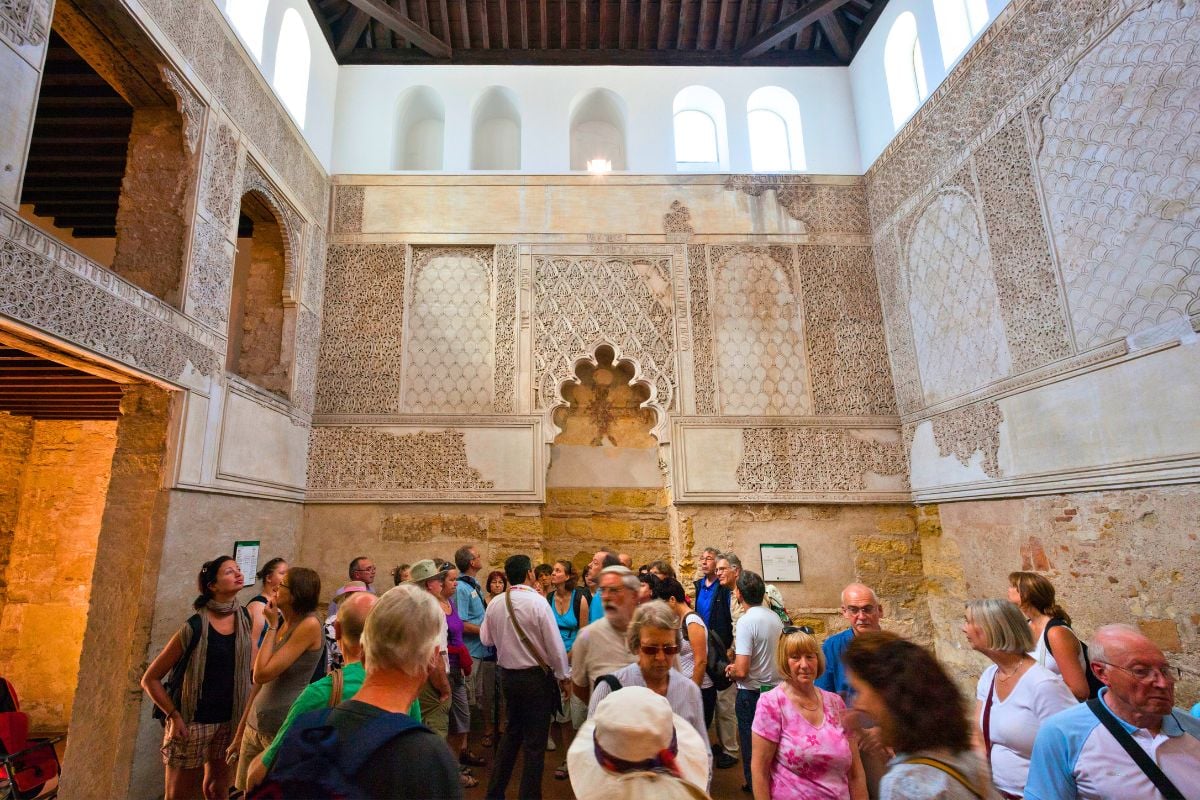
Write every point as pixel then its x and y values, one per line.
pixel 665 649
pixel 614 589
pixel 854 611
pixel 1148 674
pixel 788 630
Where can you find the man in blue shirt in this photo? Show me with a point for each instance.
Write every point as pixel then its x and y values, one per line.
pixel 601 560
pixel 1075 755
pixel 468 599
pixel 861 607
pixel 712 604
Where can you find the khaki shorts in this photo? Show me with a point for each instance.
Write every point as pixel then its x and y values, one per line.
pixel 253 743
pixel 205 742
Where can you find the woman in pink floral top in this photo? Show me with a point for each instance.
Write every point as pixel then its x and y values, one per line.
pixel 801 751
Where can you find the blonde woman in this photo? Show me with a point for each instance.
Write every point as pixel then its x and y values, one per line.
pixel 1015 695
pixel 1056 647
pixel 800 748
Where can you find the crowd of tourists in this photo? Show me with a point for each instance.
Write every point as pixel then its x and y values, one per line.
pixel 647 687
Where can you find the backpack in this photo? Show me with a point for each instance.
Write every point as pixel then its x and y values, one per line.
pixel 1094 684
pixel 173 683
pixel 314 762
pixel 718 660
pixel 614 683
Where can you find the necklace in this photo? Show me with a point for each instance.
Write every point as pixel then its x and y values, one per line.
pixel 796 694
pixel 1004 676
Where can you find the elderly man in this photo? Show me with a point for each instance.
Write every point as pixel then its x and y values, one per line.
pixel 602 559
pixel 713 606
pixel 601 648
pixel 400 640
pixel 728 568
pixel 1084 752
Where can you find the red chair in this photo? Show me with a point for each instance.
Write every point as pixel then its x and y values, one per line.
pixel 27 765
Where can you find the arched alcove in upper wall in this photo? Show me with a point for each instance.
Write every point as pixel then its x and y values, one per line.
pixel 496 130
pixel 598 129
pixel 420 130
pixel 701 140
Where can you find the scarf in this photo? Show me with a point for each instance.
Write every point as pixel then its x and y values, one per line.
pixel 193 677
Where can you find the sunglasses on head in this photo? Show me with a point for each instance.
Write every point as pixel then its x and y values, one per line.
pixel 666 649
pixel 788 630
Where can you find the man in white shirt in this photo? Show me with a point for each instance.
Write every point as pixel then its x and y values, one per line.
pixel 533 664
pixel 1075 755
pixel 753 667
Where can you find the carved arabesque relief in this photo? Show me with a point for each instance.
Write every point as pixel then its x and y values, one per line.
pixel 210 277
pixel 847 353
pixel 361 340
pixel 678 220
pixel 703 362
pixel 808 459
pixel 451 322
pixel 760 353
pixel 582 301
pixel 968 430
pixel 902 352
pixel 218 180
pixel 822 207
pixel 1120 170
pixel 504 381
pixel 190 107
pixel 348 209
pixel 952 299
pixel 25 22
pixel 365 457
pixel 304 370
pixel 314 269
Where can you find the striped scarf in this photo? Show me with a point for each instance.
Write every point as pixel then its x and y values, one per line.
pixel 193 677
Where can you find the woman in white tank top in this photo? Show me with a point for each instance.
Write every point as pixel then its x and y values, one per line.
pixel 1057 649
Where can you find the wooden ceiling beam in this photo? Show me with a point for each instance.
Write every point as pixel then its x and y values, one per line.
pixel 868 22
pixel 706 7
pixel 322 22
pixel 621 26
pixel 564 28
pixel 351 33
pixel 722 23
pixel 789 26
pixel 583 25
pixel 643 38
pixel 524 24
pixel 504 24
pixel 835 33
pixel 663 17
pixel 483 26
pixel 405 27
pixel 544 24
pixel 739 33
pixel 599 57
pixel 464 24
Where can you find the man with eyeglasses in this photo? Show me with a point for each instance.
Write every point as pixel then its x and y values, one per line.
pixel 861 607
pixel 1089 751
pixel 600 648
pixel 361 571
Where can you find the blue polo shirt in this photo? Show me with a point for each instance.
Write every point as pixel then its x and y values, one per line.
pixel 834 679
pixel 704 599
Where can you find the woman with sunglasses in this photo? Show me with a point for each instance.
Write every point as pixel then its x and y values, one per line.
pixel 654 637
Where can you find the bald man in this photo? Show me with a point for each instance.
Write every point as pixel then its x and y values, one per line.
pixel 1076 756
pixel 348 627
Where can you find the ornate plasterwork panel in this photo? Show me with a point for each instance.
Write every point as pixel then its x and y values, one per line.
pixel 504 381
pixel 822 207
pixel 902 353
pixel 348 209
pixel 361 338
pixel 971 429
pixel 1030 300
pixel 1120 169
pixel 952 299
pixel 703 363
pixel 451 324
pixel 363 457
pixel 304 371
pixel 190 106
pixel 678 221
pixel 805 459
pixel 290 221
pixel 25 22
pixel 847 354
pixel 760 353
pixel 210 276
pixel 218 182
pixel 50 287
pixel 314 269
pixel 582 301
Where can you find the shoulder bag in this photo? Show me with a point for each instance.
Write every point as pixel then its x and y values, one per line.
pixel 950 770
pixel 529 648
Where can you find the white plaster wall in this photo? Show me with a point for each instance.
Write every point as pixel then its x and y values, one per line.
pixel 868 80
pixel 318 127
pixel 367 98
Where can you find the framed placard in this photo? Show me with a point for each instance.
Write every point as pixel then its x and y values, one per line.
pixel 780 562
pixel 246 556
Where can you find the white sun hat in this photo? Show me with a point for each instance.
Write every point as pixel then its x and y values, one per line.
pixel 635 746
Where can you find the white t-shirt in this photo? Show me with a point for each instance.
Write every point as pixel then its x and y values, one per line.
pixel 757 636
pixel 600 649
pixel 687 656
pixel 1014 721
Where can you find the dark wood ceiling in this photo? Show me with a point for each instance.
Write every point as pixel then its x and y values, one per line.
pixel 37 387
pixel 576 32
pixel 77 153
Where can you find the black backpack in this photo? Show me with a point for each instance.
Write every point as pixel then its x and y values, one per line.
pixel 718 660
pixel 1094 684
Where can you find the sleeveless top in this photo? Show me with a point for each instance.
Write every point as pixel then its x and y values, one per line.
pixel 687 656
pixel 1042 655
pixel 258 598
pixel 275 698
pixel 568 623
pixel 215 704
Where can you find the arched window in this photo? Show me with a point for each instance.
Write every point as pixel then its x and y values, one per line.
pixel 958 22
pixel 776 140
pixel 905 70
pixel 293 56
pixel 421 130
pixel 701 142
pixel 257 316
pixel 496 131
pixel 598 130
pixel 249 18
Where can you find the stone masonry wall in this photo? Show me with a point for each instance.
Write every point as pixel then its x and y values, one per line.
pixel 16 436
pixel 48 578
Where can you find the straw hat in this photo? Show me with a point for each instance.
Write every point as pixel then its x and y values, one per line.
pixel 643 745
pixel 352 586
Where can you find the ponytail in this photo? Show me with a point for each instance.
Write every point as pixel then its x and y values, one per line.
pixel 1038 593
pixel 1055 611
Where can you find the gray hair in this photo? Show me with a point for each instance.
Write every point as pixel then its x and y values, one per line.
pixel 402 630
pixel 1004 626
pixel 655 614
pixel 1096 649
pixel 712 551
pixel 628 578
pixel 733 560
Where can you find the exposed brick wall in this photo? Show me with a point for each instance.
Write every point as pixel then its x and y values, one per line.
pixel 256 333
pixel 16 436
